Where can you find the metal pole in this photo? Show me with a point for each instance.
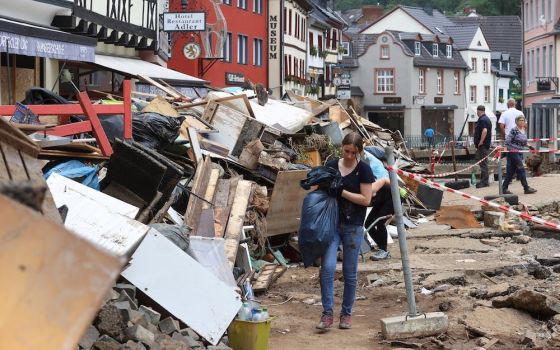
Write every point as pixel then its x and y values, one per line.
pixel 500 175
pixel 402 233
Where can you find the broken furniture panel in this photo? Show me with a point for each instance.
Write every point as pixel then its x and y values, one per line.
pixel 55 281
pixel 284 213
pixel 183 287
pixel 232 234
pixel 18 164
pixel 92 112
pixel 97 217
pixel 198 190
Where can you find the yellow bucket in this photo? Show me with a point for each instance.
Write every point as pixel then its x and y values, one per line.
pixel 249 335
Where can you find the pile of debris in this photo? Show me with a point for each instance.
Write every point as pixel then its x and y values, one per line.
pixel 177 203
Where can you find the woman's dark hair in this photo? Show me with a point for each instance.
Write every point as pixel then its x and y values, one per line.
pixel 354 139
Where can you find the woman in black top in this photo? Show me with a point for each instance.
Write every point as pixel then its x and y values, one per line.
pixel 354 196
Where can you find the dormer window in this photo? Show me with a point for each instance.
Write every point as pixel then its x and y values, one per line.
pixel 435 50
pixel 449 51
pixel 508 66
pixel 417 48
pixel 501 67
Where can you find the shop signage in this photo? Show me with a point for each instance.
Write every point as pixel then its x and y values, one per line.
pixel 419 100
pixel 30 46
pixel 391 100
pixel 273 37
pixel 438 100
pixel 235 78
pixel 343 94
pixel 184 21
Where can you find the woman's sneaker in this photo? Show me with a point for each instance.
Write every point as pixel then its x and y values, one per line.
pixel 380 255
pixel 325 322
pixel 345 322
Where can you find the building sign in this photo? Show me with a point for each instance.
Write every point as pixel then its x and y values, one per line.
pixel 273 37
pixel 391 100
pixel 30 46
pixel 275 70
pixel 418 100
pixel 191 51
pixel 235 78
pixel 438 100
pixel 184 21
pixel 343 94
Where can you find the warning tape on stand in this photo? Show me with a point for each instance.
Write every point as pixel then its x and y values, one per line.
pixel 505 209
pixel 464 169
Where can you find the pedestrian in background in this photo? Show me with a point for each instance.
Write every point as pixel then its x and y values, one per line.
pixel 516 141
pixel 507 119
pixel 382 206
pixel 429 134
pixel 354 193
pixel 482 137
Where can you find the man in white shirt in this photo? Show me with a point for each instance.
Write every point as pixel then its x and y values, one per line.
pixel 507 119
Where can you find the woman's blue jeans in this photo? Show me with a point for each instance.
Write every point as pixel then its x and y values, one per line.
pixel 351 237
pixel 515 165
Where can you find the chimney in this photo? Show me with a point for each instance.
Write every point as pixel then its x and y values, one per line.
pixel 371 13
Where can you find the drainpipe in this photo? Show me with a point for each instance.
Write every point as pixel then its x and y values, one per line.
pixel 467 71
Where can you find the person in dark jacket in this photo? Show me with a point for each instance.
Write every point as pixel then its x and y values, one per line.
pixel 482 137
pixel 516 141
pixel 354 194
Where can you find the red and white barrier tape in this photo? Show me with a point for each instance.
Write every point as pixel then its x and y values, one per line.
pixel 530 151
pixel 464 169
pixel 524 216
pixel 545 139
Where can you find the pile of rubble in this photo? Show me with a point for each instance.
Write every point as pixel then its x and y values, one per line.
pixel 177 202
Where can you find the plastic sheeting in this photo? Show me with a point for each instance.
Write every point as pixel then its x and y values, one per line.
pixel 273 113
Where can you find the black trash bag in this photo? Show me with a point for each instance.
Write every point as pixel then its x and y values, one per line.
pixel 319 219
pixel 155 130
pixel 320 175
pixel 180 197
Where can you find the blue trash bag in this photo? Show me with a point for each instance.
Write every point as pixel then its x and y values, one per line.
pixel 319 220
pixel 77 171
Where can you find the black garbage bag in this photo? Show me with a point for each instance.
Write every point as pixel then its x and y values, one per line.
pixel 180 197
pixel 320 175
pixel 319 219
pixel 155 130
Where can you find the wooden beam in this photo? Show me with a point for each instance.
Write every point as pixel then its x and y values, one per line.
pixel 198 190
pixel 159 86
pixel 236 218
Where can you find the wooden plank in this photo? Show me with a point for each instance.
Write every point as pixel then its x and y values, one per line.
pixel 195 145
pixel 230 123
pixel 266 275
pixel 159 86
pixel 74 277
pixel 221 193
pixel 198 189
pixel 285 203
pixel 252 129
pixel 205 226
pixel 211 188
pixel 236 217
pixel 210 111
pixel 214 147
pixel 220 200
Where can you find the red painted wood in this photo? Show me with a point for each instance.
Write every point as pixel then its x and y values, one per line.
pixel 71 129
pixel 127 109
pixel 68 109
pixel 98 132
